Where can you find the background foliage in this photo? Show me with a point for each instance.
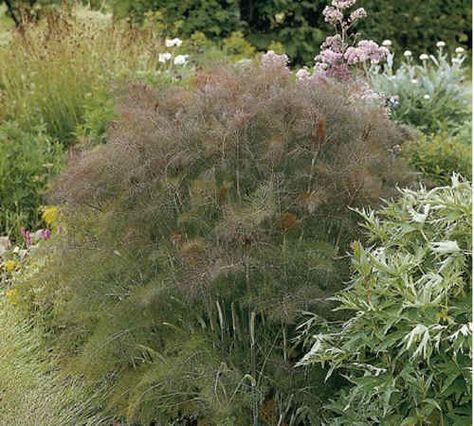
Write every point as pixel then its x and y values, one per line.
pixel 300 27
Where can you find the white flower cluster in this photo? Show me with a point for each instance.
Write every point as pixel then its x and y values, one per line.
pixel 168 56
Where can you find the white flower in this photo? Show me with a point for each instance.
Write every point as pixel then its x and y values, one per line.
pixel 414 81
pixel 180 59
pixel 426 97
pixel 440 44
pixel 279 17
pixel 407 53
pixel 173 42
pixel 424 57
pixel 456 61
pixel 459 50
pixel 387 43
pixel 445 247
pixel 164 57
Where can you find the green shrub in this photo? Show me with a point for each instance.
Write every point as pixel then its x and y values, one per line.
pixel 195 236
pixel 437 157
pixel 235 45
pixel 406 348
pixel 27 163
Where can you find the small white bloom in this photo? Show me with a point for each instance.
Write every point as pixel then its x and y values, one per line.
pixel 164 57
pixel 426 97
pixel 180 59
pixel 173 42
pixel 459 50
pixel 414 81
pixel 424 57
pixel 387 43
pixel 440 44
pixel 279 17
pixel 407 53
pixel 456 60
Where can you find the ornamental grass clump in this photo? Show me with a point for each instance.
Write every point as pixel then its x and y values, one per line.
pixel 406 348
pixel 196 235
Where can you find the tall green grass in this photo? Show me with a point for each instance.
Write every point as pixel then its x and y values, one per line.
pixel 31 390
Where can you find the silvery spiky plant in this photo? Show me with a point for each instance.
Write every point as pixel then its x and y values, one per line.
pixel 196 235
pixel 406 347
pixel 430 92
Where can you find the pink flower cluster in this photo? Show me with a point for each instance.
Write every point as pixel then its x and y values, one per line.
pixel 272 60
pixel 366 50
pixel 343 4
pixel 332 15
pixel 329 57
pixel 358 14
pixel 33 237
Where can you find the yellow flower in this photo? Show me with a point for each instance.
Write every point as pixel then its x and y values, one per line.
pixel 12 296
pixel 50 215
pixel 9 265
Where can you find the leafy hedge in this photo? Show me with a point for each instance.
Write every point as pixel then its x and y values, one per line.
pixel 300 25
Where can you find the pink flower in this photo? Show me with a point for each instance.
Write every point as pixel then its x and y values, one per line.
pixel 333 42
pixel 302 74
pixel 332 15
pixel 358 14
pixel 271 59
pixel 343 4
pixel 27 236
pixel 329 57
pixel 365 50
pixel 43 234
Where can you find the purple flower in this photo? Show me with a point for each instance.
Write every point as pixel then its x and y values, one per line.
pixel 271 60
pixel 333 42
pixel 332 15
pixel 43 234
pixel 365 50
pixel 27 236
pixel 343 4
pixel 330 57
pixel 358 14
pixel 302 74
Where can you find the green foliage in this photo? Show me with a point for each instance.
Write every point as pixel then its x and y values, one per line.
pixel 235 45
pixel 196 235
pixel 416 28
pixel 437 157
pixel 32 391
pixel 27 163
pixel 215 18
pixel 300 26
pixel 406 349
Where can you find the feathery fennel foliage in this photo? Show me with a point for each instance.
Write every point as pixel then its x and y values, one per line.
pixel 197 234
